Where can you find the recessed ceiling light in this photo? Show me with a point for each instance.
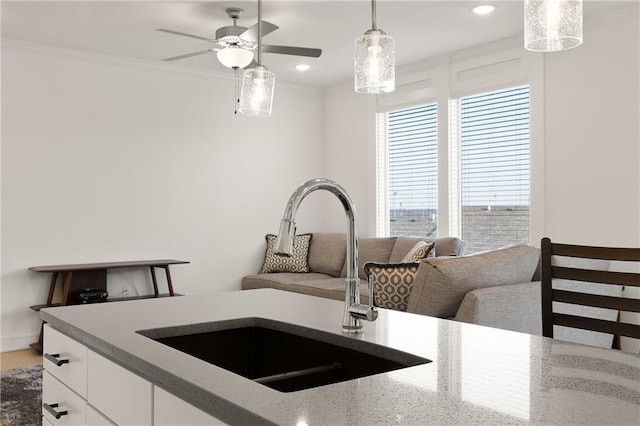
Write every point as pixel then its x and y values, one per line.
pixel 483 9
pixel 303 67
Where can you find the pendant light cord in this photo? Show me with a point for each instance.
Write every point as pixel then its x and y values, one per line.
pixel 374 23
pixel 259 32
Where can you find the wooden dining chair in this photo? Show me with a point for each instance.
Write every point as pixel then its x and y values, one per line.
pixel 570 273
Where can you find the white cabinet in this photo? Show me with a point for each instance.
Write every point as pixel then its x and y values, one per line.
pixel 122 396
pixel 61 405
pixel 66 359
pixel 168 409
pixel 81 387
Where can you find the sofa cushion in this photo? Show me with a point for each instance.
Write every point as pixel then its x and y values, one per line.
pixel 281 280
pixel 442 282
pixel 403 246
pixel 371 250
pixel 392 283
pixel 327 253
pixel 421 250
pixel 297 262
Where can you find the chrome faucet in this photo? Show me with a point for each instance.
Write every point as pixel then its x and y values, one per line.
pixel 354 311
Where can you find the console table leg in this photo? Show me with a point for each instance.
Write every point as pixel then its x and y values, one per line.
pixel 52 287
pixel 155 281
pixel 66 287
pixel 169 284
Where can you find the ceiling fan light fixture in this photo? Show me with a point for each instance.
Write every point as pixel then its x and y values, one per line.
pixel 256 96
pixel 552 25
pixel 235 57
pixel 374 63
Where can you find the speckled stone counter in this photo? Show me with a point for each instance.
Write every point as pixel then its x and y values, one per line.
pixel 477 374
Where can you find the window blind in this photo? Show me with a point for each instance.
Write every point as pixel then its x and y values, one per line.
pixel 494 168
pixel 412 171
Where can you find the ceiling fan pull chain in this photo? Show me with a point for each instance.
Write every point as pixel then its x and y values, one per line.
pixel 236 92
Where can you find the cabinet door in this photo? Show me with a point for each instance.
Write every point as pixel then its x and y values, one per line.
pixel 118 393
pixel 171 410
pixel 94 418
pixel 71 357
pixel 62 402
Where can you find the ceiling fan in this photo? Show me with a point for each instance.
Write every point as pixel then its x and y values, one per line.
pixel 235 44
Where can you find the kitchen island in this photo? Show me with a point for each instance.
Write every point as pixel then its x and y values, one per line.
pixel 476 374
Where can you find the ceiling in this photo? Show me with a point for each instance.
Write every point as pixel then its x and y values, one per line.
pixel 422 29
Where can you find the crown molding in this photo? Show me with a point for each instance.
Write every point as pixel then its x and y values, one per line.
pixel 127 62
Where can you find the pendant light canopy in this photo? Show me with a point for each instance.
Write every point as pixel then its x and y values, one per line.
pixel 374 60
pixel 552 25
pixel 256 96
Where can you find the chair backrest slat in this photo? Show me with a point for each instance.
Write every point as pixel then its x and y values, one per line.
pixel 593 276
pixel 597 300
pixel 604 326
pixel 592 252
pixel 566 277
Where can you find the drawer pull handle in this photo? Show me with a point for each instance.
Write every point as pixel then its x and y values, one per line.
pixel 51 409
pixel 54 359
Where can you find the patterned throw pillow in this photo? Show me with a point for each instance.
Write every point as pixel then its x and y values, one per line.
pixel 297 262
pixel 421 250
pixel 392 283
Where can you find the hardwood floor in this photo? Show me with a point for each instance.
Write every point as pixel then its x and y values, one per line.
pixel 17 359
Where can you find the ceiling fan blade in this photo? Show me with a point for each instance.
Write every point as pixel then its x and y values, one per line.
pixel 291 50
pixel 188 55
pixel 184 34
pixel 251 33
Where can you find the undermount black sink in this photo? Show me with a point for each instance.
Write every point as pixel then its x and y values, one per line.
pixel 282 356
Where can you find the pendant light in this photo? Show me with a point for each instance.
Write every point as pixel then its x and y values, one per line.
pixel 552 25
pixel 374 60
pixel 256 97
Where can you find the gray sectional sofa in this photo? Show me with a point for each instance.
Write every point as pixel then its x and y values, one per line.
pixel 496 288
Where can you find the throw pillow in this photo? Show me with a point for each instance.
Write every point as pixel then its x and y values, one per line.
pixel 392 283
pixel 297 262
pixel 419 251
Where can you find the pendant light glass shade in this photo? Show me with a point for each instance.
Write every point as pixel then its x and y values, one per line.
pixel 256 96
pixel 375 63
pixel 235 57
pixel 552 25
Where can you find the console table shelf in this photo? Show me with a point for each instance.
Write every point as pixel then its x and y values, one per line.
pixel 76 278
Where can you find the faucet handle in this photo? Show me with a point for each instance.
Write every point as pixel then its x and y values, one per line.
pixel 365 312
pixel 372 293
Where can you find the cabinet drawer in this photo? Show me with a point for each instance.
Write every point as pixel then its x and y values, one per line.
pixel 71 408
pixel 118 393
pixel 71 357
pixel 168 410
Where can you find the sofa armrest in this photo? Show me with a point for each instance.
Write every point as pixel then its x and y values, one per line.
pixel 515 307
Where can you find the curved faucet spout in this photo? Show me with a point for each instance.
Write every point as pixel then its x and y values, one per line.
pixel 284 244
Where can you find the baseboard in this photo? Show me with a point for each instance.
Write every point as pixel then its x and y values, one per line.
pixel 17 343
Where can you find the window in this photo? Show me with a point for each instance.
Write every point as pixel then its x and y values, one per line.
pixel 408 154
pixel 488 161
pixel 492 148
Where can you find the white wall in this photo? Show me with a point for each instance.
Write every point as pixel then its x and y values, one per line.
pixel 104 159
pixel 350 155
pixel 591 136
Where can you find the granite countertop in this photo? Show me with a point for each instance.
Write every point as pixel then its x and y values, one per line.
pixel 477 374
